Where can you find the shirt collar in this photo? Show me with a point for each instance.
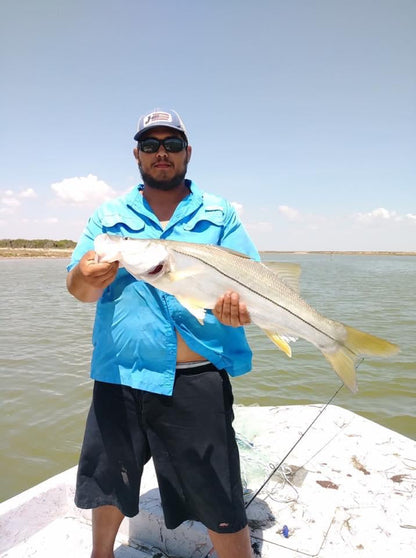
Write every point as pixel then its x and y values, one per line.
pixel 135 200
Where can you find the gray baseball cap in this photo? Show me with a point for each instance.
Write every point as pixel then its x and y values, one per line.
pixel 165 118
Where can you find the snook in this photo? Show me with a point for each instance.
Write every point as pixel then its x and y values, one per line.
pixel 197 274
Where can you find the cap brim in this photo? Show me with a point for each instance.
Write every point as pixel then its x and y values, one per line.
pixel 157 125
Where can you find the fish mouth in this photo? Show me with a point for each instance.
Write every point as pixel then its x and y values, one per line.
pixel 157 270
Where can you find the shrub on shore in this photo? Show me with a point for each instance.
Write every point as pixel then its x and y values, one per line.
pixel 39 243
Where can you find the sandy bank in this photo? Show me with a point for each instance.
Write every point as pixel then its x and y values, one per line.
pixel 34 253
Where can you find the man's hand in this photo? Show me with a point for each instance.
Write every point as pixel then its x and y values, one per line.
pixel 230 311
pixel 89 278
pixel 98 275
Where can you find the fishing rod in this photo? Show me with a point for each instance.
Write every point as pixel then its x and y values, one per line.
pixel 277 467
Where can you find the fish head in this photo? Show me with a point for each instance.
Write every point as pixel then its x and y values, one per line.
pixel 107 247
pixel 144 258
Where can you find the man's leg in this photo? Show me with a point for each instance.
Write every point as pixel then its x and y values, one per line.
pixel 105 524
pixel 232 545
pixel 113 455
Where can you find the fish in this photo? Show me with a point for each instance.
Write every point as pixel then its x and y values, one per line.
pixel 198 274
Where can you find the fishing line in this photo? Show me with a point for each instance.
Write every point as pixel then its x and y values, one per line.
pixel 277 467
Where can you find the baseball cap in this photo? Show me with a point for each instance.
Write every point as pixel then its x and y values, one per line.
pixel 166 118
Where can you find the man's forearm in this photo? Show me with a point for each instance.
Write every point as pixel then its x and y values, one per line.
pixel 80 288
pixel 87 280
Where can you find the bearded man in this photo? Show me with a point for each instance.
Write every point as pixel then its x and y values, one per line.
pixel 161 379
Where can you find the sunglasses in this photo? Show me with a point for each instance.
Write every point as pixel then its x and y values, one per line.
pixel 172 145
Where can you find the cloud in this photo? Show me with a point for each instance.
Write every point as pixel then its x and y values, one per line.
pixel 290 213
pixel 8 203
pixel 260 226
pixel 377 216
pixel 83 190
pixel 28 193
pixel 382 215
pixel 6 211
pixel 238 207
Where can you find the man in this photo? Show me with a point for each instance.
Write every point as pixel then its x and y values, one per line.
pixel 161 378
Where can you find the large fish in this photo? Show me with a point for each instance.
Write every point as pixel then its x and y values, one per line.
pixel 197 274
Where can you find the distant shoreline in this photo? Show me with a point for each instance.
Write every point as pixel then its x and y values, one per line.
pixel 66 253
pixel 35 252
pixel 341 252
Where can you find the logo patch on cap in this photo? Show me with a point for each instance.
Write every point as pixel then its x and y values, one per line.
pixel 157 117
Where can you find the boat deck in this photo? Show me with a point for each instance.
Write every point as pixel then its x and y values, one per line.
pixel 346 488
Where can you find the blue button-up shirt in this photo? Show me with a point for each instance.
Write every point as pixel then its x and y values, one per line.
pixel 134 334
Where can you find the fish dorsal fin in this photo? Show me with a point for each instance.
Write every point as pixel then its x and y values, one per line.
pixel 288 273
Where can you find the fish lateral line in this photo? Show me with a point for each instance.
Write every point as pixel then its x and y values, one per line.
pixel 275 336
pixel 251 289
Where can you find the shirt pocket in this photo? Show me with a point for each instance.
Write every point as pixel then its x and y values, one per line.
pixel 120 225
pixel 207 224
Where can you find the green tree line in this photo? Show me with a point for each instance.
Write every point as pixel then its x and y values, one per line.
pixel 45 243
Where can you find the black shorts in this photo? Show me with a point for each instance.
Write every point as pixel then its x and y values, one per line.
pixel 190 437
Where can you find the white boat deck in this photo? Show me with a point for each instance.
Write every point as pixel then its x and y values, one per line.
pixel 346 489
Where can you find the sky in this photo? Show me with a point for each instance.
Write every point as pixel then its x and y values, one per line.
pixel 302 113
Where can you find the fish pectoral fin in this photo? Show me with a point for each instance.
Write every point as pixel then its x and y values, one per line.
pixel 193 307
pixel 182 274
pixel 280 341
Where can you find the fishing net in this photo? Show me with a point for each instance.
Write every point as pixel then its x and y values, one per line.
pixel 256 466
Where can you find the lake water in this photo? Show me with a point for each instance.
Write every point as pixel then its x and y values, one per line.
pixel 45 350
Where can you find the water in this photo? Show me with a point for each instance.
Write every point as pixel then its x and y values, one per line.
pixel 45 351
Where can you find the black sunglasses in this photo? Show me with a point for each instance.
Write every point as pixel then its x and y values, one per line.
pixel 172 145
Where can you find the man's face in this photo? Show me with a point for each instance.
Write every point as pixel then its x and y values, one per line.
pixel 163 170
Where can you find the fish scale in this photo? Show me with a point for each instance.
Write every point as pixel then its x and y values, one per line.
pixel 246 272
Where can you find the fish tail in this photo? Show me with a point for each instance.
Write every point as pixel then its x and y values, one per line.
pixel 357 344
